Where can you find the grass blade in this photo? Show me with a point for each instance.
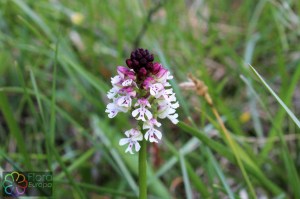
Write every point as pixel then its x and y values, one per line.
pixel 14 128
pixel 292 173
pixel 187 184
pixel 289 112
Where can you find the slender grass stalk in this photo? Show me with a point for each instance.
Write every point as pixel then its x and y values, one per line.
pixel 234 149
pixel 143 170
pixel 14 129
pixel 202 90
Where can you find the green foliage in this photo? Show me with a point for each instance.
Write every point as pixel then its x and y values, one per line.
pixel 56 61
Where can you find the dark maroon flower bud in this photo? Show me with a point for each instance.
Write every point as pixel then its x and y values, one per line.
pixel 149 66
pixel 129 63
pixel 150 58
pixel 141 58
pixel 143 61
pixel 143 53
pixel 132 56
pixel 138 55
pixel 142 72
pixel 135 63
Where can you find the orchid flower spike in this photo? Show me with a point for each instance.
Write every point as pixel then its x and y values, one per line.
pixel 144 89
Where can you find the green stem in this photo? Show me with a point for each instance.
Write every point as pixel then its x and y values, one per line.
pixel 143 169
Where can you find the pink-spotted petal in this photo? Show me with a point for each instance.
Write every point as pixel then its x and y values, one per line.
pixel 129 148
pixel 158 134
pixel 173 118
pixel 124 141
pixel 135 112
pixel 127 82
pixel 137 147
pixel 148 114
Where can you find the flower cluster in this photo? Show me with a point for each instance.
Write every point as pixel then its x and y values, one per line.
pixel 143 89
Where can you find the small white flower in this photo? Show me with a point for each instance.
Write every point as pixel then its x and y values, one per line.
pixel 152 133
pixel 156 89
pixel 173 118
pixel 113 109
pixel 127 82
pixel 151 123
pixel 142 111
pixel 164 111
pixel 133 136
pixel 166 84
pixel 116 80
pixel 167 109
pixel 170 98
pixel 112 92
pixel 167 103
pixel 169 95
pixel 124 101
pixel 166 75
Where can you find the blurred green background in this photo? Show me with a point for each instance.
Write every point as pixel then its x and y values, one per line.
pixel 56 60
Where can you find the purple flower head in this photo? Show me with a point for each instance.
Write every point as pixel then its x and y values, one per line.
pixel 143 89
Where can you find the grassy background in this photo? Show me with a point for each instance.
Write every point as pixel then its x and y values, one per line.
pixel 56 60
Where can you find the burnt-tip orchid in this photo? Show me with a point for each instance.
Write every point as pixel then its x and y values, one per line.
pixel 143 89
